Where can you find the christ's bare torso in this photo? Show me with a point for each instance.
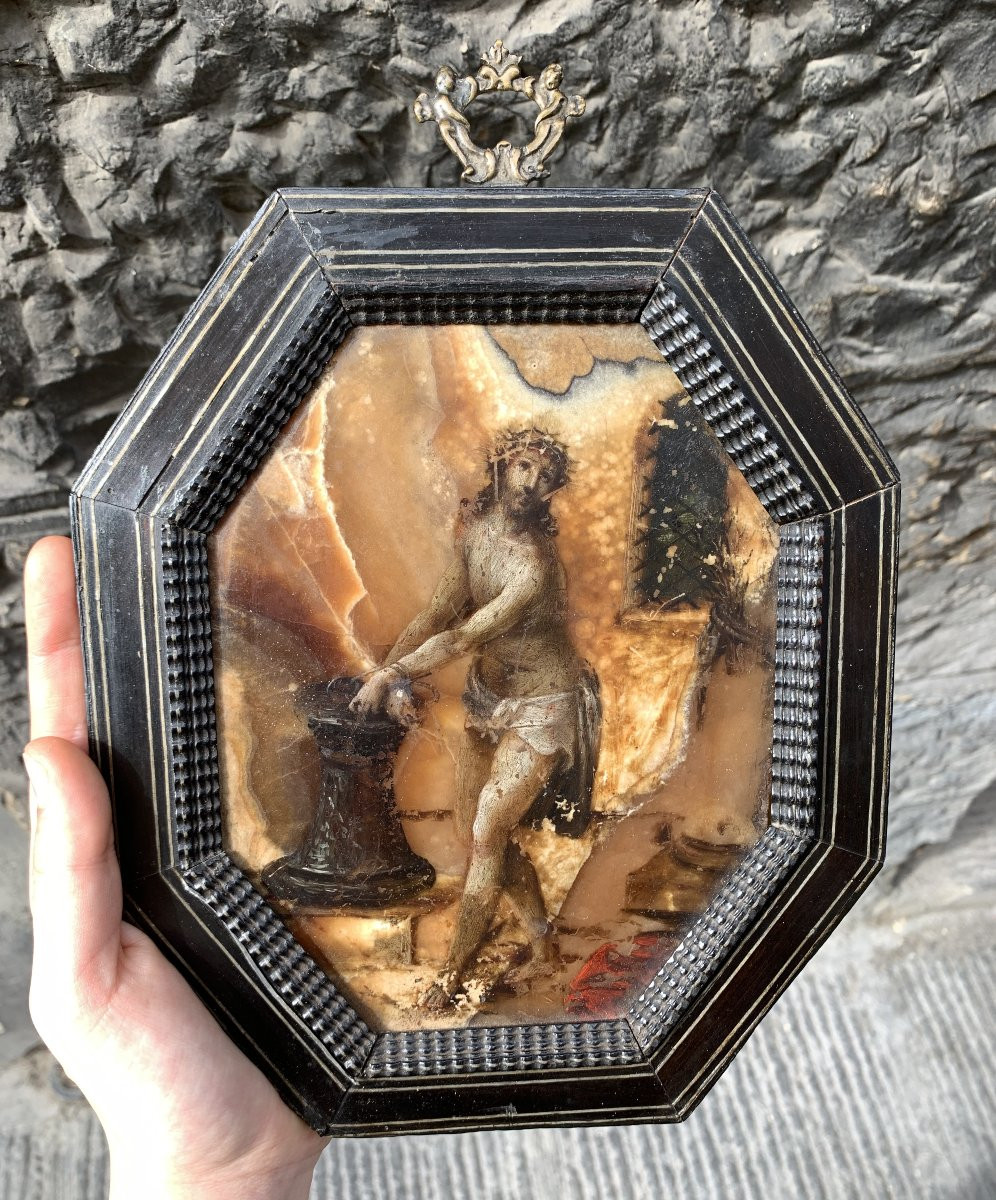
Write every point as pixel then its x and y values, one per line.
pixel 534 657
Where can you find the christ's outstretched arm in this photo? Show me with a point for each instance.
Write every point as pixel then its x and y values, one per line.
pixel 448 604
pixel 491 620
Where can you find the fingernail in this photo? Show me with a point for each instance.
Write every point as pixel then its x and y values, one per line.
pixel 34 770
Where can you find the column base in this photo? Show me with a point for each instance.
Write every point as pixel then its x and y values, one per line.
pixel 288 878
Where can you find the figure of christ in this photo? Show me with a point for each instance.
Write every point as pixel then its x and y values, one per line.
pixel 532 706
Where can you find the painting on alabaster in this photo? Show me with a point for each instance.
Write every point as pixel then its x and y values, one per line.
pixel 493 632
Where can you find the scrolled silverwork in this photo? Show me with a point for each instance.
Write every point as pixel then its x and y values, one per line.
pixel 499 72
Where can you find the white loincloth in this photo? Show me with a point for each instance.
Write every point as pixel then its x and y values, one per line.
pixel 567 724
pixel 547 723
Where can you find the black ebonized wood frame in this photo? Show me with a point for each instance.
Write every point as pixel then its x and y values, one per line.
pixel 311 266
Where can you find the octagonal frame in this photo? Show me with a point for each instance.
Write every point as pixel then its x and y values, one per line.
pixel 311 266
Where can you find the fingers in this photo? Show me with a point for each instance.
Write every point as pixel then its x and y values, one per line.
pixel 55 658
pixel 400 705
pixel 75 881
pixel 369 697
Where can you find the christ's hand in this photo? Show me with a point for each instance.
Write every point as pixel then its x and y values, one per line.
pixel 185 1113
pixel 375 693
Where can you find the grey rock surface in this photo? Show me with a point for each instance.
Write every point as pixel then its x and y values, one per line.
pixel 856 142
pixel 16 1032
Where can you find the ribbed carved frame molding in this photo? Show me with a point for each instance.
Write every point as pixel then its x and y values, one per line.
pixel 704 948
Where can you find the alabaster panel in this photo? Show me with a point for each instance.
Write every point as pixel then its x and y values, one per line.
pixel 644 767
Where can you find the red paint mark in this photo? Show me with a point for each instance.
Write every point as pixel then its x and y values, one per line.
pixel 601 989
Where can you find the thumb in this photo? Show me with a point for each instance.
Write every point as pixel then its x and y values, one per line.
pixel 75 882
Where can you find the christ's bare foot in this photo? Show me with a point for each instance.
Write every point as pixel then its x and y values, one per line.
pixel 545 946
pixel 435 999
pixel 542 960
pixel 440 996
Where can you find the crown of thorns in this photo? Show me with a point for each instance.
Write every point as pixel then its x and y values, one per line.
pixel 514 441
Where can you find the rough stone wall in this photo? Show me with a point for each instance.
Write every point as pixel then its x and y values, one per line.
pixel 855 140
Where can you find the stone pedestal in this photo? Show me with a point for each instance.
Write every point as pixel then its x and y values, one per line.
pixel 681 879
pixel 355 853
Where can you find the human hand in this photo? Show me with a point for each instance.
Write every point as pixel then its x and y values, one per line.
pixel 185 1113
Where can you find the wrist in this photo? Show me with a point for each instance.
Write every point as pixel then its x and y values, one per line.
pixel 239 1181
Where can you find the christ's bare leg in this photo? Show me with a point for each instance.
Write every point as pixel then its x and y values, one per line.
pixel 517 774
pixel 520 883
pixel 523 891
pixel 473 770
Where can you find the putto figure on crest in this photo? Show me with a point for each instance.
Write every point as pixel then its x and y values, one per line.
pixel 499 72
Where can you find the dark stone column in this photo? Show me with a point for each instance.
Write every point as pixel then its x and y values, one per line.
pixel 355 853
